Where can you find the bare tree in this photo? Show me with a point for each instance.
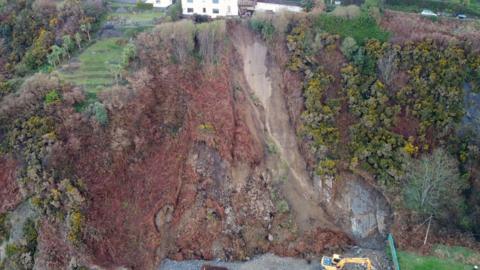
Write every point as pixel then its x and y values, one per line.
pixel 434 185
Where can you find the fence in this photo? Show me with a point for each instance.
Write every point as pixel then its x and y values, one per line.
pixel 393 251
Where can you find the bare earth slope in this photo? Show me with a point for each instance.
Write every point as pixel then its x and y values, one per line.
pixel 298 188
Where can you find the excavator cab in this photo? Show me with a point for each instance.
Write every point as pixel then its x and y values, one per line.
pixel 329 263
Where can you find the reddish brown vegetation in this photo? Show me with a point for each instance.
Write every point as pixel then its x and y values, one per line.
pixel 54 253
pixel 413 27
pixel 410 235
pixel 10 194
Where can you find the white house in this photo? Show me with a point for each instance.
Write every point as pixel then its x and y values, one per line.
pixel 211 8
pixel 160 3
pixel 277 6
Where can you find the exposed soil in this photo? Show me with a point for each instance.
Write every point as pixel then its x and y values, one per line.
pixel 275 118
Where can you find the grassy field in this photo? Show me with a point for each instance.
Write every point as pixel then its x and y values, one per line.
pixel 133 15
pixel 443 258
pixel 360 28
pixel 145 17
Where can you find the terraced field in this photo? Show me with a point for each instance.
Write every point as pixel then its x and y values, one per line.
pixel 92 69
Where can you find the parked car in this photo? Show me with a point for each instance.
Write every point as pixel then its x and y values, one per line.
pixel 461 16
pixel 429 13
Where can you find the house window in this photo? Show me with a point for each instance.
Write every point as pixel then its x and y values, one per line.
pixel 189 10
pixel 204 10
pixel 189 1
pixel 215 1
pixel 215 11
pixel 158 1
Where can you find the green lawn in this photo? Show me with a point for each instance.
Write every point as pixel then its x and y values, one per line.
pixel 459 254
pixel 140 17
pixel 94 70
pixel 443 258
pixel 360 28
pixel 134 17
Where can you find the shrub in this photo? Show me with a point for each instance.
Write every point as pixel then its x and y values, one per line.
pixel 282 206
pixel 143 6
pixel 128 54
pixel 75 223
pixel 12 250
pixel 5 88
pixel 410 148
pixel 30 233
pixel 263 25
pixel 272 147
pixel 52 97
pixel 4 227
pixel 349 47
pixel 369 4
pixel 308 5
pixel 175 11
pixel 326 167
pixel 100 113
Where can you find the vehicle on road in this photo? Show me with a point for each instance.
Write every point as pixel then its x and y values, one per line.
pixel 461 16
pixel 428 13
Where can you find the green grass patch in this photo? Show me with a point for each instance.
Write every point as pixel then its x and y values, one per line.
pixel 94 71
pixel 115 4
pixel 361 28
pixel 412 261
pixel 456 253
pixel 140 17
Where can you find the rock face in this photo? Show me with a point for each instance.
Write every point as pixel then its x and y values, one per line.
pixel 359 208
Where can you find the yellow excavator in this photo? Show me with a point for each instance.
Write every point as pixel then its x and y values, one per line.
pixel 336 262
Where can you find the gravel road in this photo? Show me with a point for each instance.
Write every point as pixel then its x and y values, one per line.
pixel 264 262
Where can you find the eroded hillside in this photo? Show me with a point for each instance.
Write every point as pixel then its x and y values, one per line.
pixel 226 141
